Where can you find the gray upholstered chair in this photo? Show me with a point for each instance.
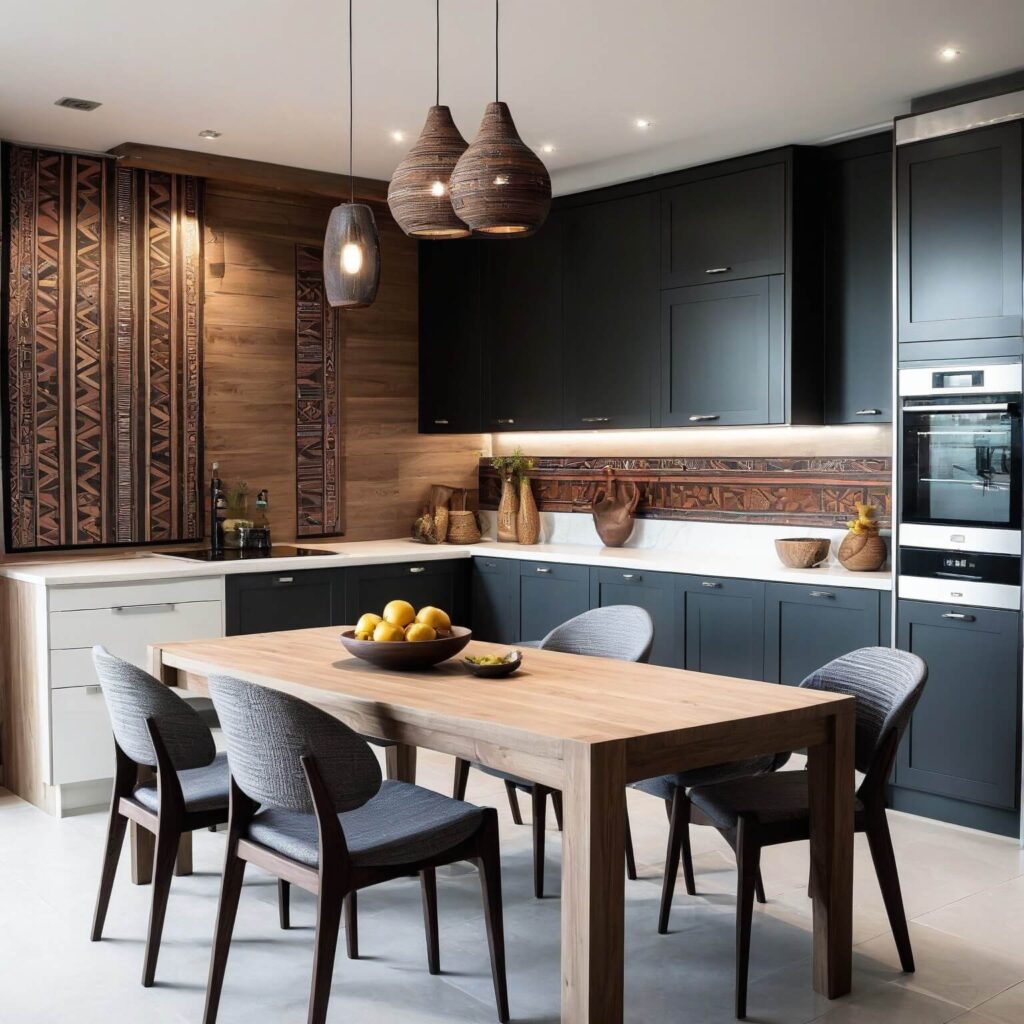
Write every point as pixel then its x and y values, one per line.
pixel 766 810
pixel 624 632
pixel 308 805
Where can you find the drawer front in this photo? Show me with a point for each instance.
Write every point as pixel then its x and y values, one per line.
pixel 652 591
pixel 493 566
pixel 204 588
pixel 83 745
pixel 443 583
pixel 556 570
pixel 125 630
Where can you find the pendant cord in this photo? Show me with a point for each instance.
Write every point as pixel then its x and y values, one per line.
pixel 495 51
pixel 351 111
pixel 437 55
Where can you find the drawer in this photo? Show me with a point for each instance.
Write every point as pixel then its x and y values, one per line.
pixel 493 566
pixel 633 577
pixel 82 743
pixel 125 630
pixel 556 570
pixel 203 588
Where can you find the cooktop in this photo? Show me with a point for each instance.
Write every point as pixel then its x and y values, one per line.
pixel 239 554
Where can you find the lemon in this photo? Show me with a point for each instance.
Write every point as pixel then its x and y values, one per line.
pixel 387 632
pixel 399 613
pixel 436 617
pixel 367 623
pixel 420 631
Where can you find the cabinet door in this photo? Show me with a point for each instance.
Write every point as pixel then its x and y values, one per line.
pixel 610 268
pixel 724 622
pixel 959 236
pixel 963 739
pixel 858 287
pixel 653 591
pixel 550 594
pixel 522 331
pixel 806 627
pixel 270 601
pixel 443 584
pixel 494 608
pixel 450 333
pixel 724 228
pixel 722 353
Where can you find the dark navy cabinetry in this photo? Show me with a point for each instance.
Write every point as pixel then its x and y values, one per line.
pixel 493 599
pixel 653 591
pixel 368 588
pixel 267 602
pixel 723 625
pixel 549 594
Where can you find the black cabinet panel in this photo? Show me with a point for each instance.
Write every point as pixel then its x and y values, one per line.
pixel 806 627
pixel 550 594
pixel 959 236
pixel 270 601
pixel 494 605
pixel 722 353
pixel 724 623
pixel 522 327
pixel 450 337
pixel 653 591
pixel 443 584
pixel 725 227
pixel 858 283
pixel 963 738
pixel 610 307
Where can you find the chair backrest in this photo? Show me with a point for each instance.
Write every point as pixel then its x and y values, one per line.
pixel 132 697
pixel 886 684
pixel 267 735
pixel 621 631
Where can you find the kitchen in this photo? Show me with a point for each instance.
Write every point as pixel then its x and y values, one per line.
pixel 763 385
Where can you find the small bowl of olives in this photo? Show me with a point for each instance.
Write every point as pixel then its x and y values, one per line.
pixel 493 666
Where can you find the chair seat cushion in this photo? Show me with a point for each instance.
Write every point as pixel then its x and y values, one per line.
pixel 518 781
pixel 204 789
pixel 665 786
pixel 402 824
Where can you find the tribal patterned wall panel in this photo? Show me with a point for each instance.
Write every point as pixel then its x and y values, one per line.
pixel 317 400
pixel 103 353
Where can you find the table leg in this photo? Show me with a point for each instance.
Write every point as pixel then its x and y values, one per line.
pixel 400 761
pixel 593 886
pixel 831 783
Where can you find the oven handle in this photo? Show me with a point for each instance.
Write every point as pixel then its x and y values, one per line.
pixel 991 407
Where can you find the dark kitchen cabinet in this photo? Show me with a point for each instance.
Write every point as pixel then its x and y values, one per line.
pixel 522 330
pixel 450 337
pixel 494 604
pixel 610 310
pixel 959 238
pixel 723 621
pixel 443 584
pixel 807 626
pixel 722 353
pixel 267 602
pixel 858 281
pixel 724 227
pixel 653 591
pixel 963 739
pixel 550 593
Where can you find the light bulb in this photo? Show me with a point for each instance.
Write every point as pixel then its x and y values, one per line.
pixel 351 258
pixel 437 189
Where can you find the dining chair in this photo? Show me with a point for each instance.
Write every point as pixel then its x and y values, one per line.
pixel 767 810
pixel 309 806
pixel 623 632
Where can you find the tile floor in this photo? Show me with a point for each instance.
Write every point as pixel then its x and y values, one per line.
pixel 964 892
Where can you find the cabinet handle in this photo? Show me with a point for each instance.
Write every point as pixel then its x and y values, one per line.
pixel 416 569
pixel 595 419
pixel 702 418
pixel 285 579
pixel 128 609
pixel 509 421
pixel 543 570
pixel 718 270
pixel 710 584
pixel 868 412
pixel 821 593
pixel 441 423
pixel 959 616
pixel 631 576
pixel 91 691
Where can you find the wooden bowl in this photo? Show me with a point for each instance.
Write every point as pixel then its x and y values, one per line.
pixel 506 668
pixel 406 655
pixel 802 552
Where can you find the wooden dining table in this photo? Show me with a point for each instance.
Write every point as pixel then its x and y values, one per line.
pixel 588 727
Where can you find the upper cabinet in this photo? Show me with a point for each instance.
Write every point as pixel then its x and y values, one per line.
pixel 610 307
pixel 728 226
pixel 959 239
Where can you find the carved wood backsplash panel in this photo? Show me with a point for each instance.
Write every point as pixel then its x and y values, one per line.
pixel 103 353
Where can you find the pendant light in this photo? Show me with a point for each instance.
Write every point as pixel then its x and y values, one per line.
pixel 351 246
pixel 500 186
pixel 418 193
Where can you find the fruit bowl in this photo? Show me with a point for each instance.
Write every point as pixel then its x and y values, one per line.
pixel 406 655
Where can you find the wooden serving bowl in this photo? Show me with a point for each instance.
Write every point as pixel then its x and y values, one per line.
pixel 506 668
pixel 407 655
pixel 802 552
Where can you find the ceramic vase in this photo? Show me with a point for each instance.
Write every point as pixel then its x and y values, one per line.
pixel 527 519
pixel 507 508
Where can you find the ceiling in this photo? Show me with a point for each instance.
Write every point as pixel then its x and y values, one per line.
pixel 717 77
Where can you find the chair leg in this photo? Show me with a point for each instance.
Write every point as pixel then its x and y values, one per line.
pixel 489 865
pixel 678 842
pixel 539 799
pixel 630 856
pixel 111 854
pixel 230 890
pixel 167 840
pixel 748 854
pixel 284 903
pixel 880 844
pixel 513 803
pixel 428 885
pixel 461 778
pixel 352 926
pixel 556 803
pixel 683 802
pixel 328 924
pixel 759 887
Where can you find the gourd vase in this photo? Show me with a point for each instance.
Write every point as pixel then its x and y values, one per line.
pixel 507 508
pixel 527 519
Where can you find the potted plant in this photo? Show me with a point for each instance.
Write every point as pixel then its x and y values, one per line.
pixel 517 511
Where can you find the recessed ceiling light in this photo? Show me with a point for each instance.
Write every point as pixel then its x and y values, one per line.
pixel 398 136
pixel 949 53
pixel 643 123
pixel 547 148
pixel 74 103
pixel 209 133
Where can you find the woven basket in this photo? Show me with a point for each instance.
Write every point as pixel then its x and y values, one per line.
pixel 463 528
pixel 441 524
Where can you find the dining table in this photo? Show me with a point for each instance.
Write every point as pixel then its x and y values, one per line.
pixel 585 726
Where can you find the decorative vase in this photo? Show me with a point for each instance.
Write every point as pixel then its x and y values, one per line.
pixel 862 552
pixel 527 519
pixel 507 508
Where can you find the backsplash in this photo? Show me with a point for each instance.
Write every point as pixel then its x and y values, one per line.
pixel 788 491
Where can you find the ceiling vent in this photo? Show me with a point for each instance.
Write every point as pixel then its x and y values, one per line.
pixel 74 103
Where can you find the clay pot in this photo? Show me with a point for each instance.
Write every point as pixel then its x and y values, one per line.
pixel 862 552
pixel 507 508
pixel 614 508
pixel 527 519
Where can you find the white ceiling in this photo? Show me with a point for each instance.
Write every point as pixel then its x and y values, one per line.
pixel 718 77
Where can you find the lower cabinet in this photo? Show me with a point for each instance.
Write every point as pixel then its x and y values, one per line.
pixel 549 594
pixel 653 591
pixel 493 605
pixel 805 627
pixel 267 602
pixel 368 588
pixel 963 738
pixel 723 621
